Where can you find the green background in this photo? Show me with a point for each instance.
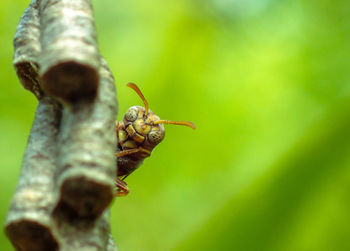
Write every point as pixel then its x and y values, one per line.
pixel 267 84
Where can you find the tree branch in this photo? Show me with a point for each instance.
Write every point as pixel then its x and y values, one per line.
pixel 27 49
pixel 86 164
pixel 68 170
pixel 70 59
pixel 29 217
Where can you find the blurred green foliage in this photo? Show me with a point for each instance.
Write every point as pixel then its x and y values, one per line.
pixel 267 84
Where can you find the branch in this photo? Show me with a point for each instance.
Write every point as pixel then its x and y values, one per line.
pixel 68 170
pixel 81 234
pixel 86 170
pixel 29 217
pixel 86 164
pixel 27 48
pixel 70 59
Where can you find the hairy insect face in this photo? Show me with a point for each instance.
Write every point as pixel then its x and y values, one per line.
pixel 140 130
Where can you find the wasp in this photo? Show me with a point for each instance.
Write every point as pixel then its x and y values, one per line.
pixel 137 135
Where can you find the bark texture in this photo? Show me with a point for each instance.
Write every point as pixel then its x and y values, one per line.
pixel 67 178
pixel 86 162
pixel 29 218
pixel 27 48
pixel 70 59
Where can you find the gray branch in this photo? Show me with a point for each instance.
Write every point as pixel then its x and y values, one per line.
pixel 27 49
pixel 29 218
pixel 68 171
pixel 86 165
pixel 70 59
pixel 81 234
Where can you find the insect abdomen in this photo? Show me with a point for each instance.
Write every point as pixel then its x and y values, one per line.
pixel 127 164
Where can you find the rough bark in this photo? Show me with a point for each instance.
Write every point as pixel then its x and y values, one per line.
pixel 70 59
pixel 81 234
pixel 29 218
pixel 27 49
pixel 28 221
pixel 68 170
pixel 86 162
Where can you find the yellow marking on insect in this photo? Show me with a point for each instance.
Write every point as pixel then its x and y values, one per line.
pixel 141 127
pixel 134 135
pixel 129 144
pixel 122 136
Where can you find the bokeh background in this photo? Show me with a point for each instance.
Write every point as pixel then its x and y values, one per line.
pixel 267 83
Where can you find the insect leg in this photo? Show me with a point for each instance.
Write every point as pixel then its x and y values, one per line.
pixel 127 152
pixel 122 188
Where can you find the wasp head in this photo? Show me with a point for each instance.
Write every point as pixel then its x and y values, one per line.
pixel 143 128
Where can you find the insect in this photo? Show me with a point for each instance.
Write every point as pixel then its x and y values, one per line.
pixel 138 134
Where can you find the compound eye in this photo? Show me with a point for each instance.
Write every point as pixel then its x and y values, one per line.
pixel 155 137
pixel 131 114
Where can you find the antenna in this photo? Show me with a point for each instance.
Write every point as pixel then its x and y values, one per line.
pixel 184 123
pixel 138 91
